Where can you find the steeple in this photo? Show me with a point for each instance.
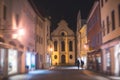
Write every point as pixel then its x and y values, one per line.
pixel 78 20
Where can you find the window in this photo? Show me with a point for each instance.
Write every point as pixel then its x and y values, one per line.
pixel 108 59
pixel 101 3
pixel 107 23
pixel 17 19
pixel 63 46
pixel 103 25
pixel 119 13
pixel 55 57
pixel 62 34
pixel 71 56
pixel 113 19
pixel 106 0
pixel 2 60
pixel 55 45
pixel 4 12
pixel 70 46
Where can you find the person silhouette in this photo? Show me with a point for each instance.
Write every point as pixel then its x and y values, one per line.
pixel 82 64
pixel 78 64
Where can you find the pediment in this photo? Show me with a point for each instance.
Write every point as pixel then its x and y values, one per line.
pixel 62 27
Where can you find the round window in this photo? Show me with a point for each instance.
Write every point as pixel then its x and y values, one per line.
pixel 55 57
pixel 71 56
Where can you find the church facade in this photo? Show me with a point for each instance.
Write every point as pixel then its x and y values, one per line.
pixel 63 39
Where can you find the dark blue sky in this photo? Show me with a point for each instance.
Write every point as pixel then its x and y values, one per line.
pixel 64 9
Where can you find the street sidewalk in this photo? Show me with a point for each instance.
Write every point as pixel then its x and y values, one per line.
pixel 105 75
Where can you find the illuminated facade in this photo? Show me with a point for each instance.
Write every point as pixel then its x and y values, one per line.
pixel 40 41
pixel 83 42
pixel 81 34
pixel 42 38
pixel 16 15
pixel 78 34
pixel 110 20
pixel 47 42
pixel 63 45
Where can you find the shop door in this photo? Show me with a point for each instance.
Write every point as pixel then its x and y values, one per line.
pixel 63 59
pixel 2 60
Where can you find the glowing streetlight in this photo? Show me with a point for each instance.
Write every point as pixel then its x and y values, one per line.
pixel 14 36
pixel 51 49
pixel 19 33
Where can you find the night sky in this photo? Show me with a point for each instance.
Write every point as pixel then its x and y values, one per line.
pixel 64 9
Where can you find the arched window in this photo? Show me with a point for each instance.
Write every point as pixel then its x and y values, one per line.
pixel 70 46
pixel 63 46
pixel 71 56
pixel 55 56
pixel 55 45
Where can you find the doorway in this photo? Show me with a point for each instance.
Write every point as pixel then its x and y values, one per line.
pixel 63 59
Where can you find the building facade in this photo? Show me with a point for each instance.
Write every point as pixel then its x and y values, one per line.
pixel 63 45
pixel 94 38
pixel 78 34
pixel 110 20
pixel 47 42
pixel 42 33
pixel 80 23
pixel 17 43
pixel 83 42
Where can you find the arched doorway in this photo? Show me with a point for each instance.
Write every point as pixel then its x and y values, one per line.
pixel 63 59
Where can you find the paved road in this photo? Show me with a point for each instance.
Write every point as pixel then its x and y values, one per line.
pixel 59 74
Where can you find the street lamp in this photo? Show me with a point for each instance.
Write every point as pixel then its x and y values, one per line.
pixel 20 32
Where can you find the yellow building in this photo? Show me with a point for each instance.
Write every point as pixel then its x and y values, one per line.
pixel 63 45
pixel 83 43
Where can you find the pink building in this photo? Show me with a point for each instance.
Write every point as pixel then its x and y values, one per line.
pixel 17 37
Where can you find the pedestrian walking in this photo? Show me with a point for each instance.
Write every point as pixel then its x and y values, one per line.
pixel 78 63
pixel 82 64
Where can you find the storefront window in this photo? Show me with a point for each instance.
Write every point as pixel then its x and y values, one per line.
pixel 33 62
pixel 2 56
pixel 12 61
pixel 108 59
pixel 28 59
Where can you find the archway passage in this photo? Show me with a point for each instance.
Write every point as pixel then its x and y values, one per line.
pixel 63 59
